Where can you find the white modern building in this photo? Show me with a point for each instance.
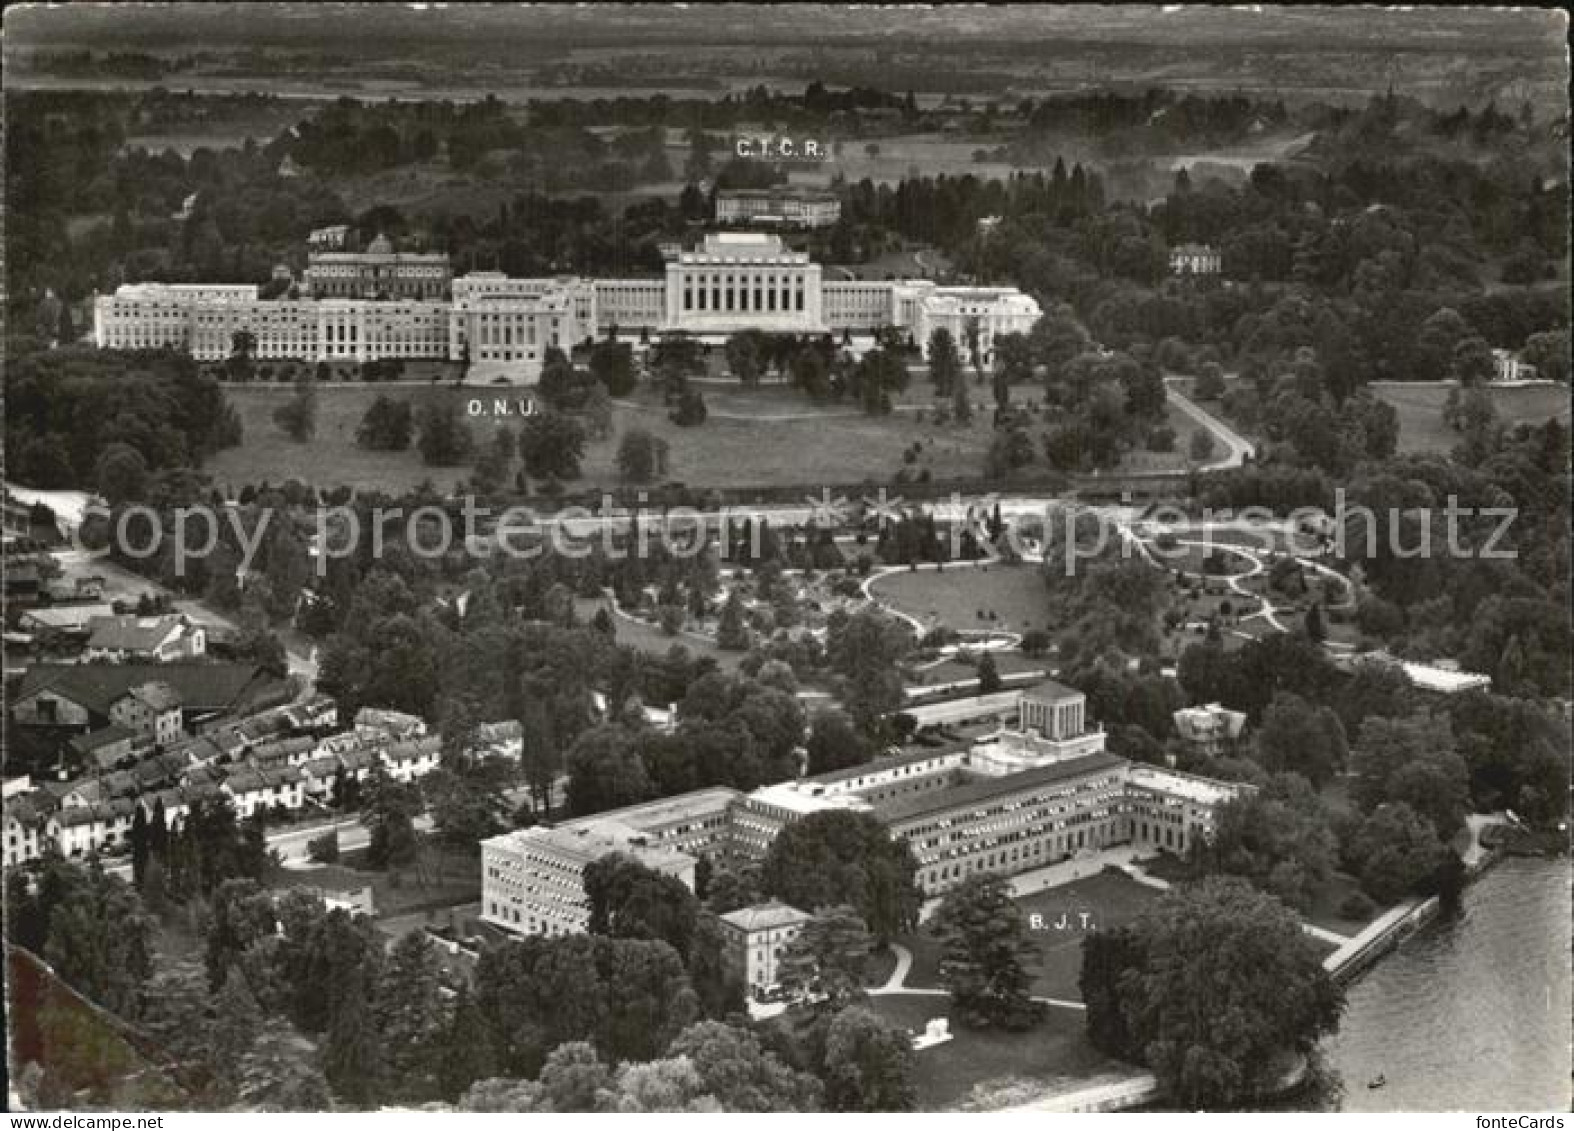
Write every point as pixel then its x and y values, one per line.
pixel 786 205
pixel 382 304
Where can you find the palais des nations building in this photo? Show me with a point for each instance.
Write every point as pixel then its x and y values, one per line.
pixel 382 303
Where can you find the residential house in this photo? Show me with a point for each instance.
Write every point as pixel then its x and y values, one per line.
pixel 395 724
pixel 79 830
pixel 78 696
pixel 23 828
pixel 156 638
pixel 406 761
pixel 253 789
pixel 107 747
pixel 754 938
pixel 151 709
pixel 1195 259
pixel 1508 366
pixel 57 621
pixel 63 589
pixel 1209 730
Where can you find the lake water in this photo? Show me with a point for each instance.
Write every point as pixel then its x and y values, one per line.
pixel 1473 1012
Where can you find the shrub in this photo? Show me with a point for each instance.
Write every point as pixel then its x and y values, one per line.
pixel 324 849
pixel 1356 906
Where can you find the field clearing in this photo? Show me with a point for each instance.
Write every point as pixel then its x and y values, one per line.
pixel 1110 899
pixel 331 458
pixel 954 597
pixel 649 638
pixel 1420 408
pixel 1053 1054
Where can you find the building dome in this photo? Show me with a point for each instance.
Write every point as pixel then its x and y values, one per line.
pixel 380 246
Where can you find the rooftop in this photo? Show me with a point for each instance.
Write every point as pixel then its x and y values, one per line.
pixel 1207 791
pixel 765 917
pixel 974 790
pixel 804 797
pixel 132 633
pixel 156 695
pixel 581 845
pixel 666 811
pixel 1051 692
pixel 201 686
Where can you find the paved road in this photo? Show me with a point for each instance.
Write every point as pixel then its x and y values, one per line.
pixel 1237 447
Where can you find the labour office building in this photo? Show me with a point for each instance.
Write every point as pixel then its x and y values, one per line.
pixel 1035 793
pixel 379 305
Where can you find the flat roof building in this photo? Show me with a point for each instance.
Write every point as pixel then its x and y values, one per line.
pixel 382 304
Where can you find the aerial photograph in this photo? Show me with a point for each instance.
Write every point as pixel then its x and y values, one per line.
pixel 639 558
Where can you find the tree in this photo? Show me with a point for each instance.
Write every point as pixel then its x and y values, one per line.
pixel 641 456
pixel 961 403
pixel 988 675
pixel 864 650
pixel 387 425
pixel 1316 630
pixel 279 1072
pixel 869 1064
pixel 297 417
pixel 236 1018
pixel 834 743
pixel 1548 351
pixel 352 1053
pixel 1201 446
pixel 732 634
pixel 630 901
pixel 945 363
pixel 690 410
pixel 824 963
pixel 1472 361
pixel 740 1074
pixel 985 954
pixel 1215 986
pixel 1395 852
pixel 408 1016
pixel 612 363
pixel 552 445
pixel 1412 760
pixel 243 344
pixel 745 352
pixel 832 858
pixel 1279 837
pixel 605 771
pixel 445 439
pixel 388 813
pixel 1209 385
pixel 121 474
pixel 96 935
pixel 465 1054
pixel 1299 738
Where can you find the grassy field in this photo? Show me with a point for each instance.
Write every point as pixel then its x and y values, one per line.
pixel 1054 1055
pixel 955 597
pixel 649 638
pixel 1420 409
pixel 766 436
pixel 1108 898
pixel 330 458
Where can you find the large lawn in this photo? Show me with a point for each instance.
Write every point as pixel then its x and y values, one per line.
pixel 331 458
pixel 1107 899
pixel 649 638
pixel 955 597
pixel 1054 1055
pixel 768 436
pixel 1420 409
